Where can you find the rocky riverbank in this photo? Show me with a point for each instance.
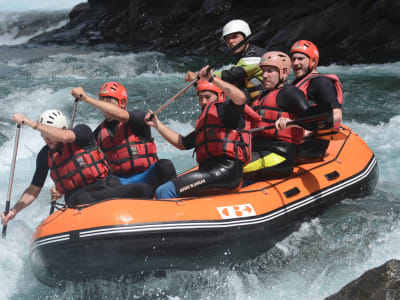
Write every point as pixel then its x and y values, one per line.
pixel 364 31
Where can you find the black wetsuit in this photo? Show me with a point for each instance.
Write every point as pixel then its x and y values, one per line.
pixel 105 188
pixel 161 171
pixel 320 90
pixel 290 99
pixel 213 176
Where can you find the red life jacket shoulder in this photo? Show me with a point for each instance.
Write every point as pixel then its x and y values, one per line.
pixel 214 140
pixel 266 106
pixel 305 82
pixel 76 167
pixel 127 153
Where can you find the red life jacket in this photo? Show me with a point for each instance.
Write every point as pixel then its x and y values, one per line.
pixel 305 82
pixel 270 112
pixel 214 140
pixel 76 167
pixel 126 152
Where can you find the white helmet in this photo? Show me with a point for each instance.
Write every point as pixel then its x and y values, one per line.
pixel 53 118
pixel 236 26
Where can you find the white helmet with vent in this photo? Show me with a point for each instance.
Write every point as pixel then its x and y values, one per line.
pixel 53 118
pixel 236 26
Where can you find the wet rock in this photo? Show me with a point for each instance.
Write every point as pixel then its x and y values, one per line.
pixel 381 283
pixel 345 31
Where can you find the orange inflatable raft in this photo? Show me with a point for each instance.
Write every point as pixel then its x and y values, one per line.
pixel 133 237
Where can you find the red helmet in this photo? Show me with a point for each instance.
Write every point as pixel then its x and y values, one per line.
pixel 307 48
pixel 205 85
pixel 116 91
pixel 279 60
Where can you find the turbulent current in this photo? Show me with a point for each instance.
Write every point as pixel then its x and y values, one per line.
pixel 318 258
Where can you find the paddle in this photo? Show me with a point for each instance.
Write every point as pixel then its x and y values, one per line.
pixel 71 125
pixel 221 59
pixel 14 158
pixel 317 117
pixel 169 101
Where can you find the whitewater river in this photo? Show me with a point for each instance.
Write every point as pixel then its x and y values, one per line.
pixel 314 261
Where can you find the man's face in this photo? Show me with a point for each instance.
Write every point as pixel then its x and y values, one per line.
pixel 111 100
pixel 270 76
pixel 206 97
pixel 233 39
pixel 300 63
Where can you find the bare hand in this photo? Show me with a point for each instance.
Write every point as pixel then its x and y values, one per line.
pixel 281 123
pixel 190 76
pixel 204 74
pixel 5 219
pixel 19 118
pixel 151 119
pixel 79 93
pixel 55 194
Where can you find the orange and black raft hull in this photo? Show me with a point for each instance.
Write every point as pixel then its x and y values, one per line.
pixel 133 237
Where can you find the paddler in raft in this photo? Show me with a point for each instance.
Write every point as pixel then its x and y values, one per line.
pixel 318 89
pixel 77 166
pixel 126 139
pixel 221 140
pixel 274 150
pixel 246 73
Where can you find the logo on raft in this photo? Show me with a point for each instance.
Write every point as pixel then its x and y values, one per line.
pixel 236 211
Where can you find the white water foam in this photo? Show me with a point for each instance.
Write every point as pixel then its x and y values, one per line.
pixel 98 65
pixel 11 25
pixel 384 142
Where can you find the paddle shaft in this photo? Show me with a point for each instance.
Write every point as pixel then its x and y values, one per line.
pixel 71 123
pixel 221 59
pixel 10 183
pixel 175 97
pixel 300 122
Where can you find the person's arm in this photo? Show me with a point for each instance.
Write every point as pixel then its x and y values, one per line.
pixel 29 195
pixel 292 100
pixel 242 70
pixel 57 134
pixel 322 89
pixel 168 134
pixel 111 110
pixel 231 91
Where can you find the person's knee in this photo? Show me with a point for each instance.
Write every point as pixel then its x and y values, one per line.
pixel 166 191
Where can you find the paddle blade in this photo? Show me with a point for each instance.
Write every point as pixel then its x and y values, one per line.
pixel 317 117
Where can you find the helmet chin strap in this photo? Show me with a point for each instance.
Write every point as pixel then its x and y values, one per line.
pixel 281 81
